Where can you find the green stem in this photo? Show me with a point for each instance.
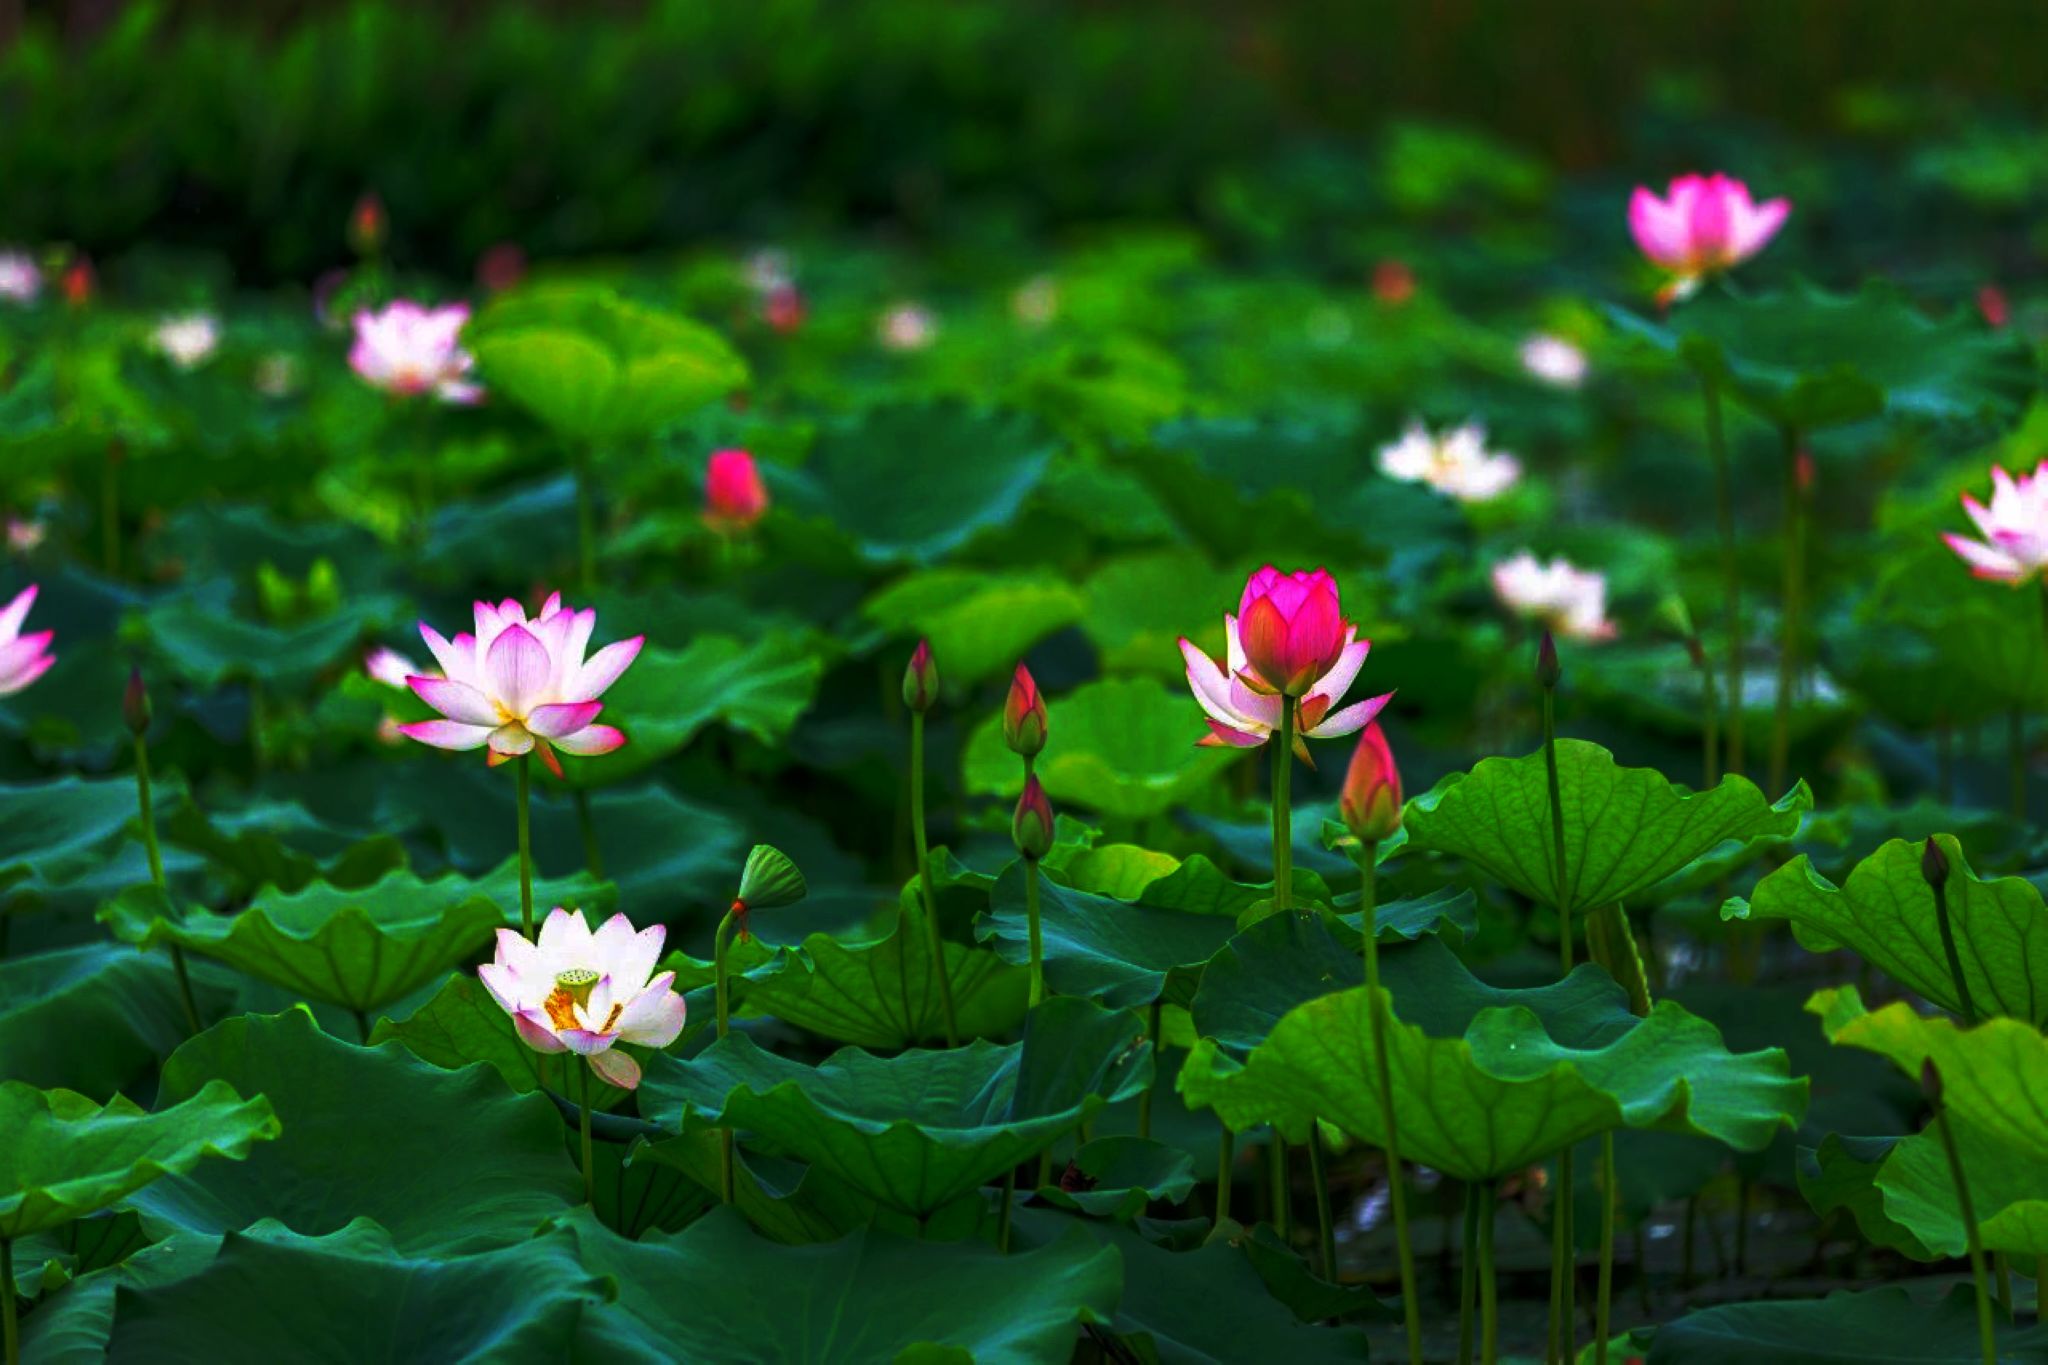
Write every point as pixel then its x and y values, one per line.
pixel 1377 1019
pixel 593 852
pixel 1031 918
pixel 589 1168
pixel 1326 1229
pixel 1468 1273
pixel 146 807
pixel 1276 1171
pixel 1003 1218
pixel 10 1329
pixel 924 877
pixel 722 993
pixel 1955 960
pixel 1489 1306
pixel 586 523
pixel 362 1025
pixel 1944 760
pixel 1226 1153
pixel 525 845
pixel 1985 1333
pixel 1283 827
pixel 1608 1192
pixel 1563 1261
pixel 1562 1289
pixel 1731 573
pixel 1789 637
pixel 1559 895
pixel 2001 1267
pixel 1153 1024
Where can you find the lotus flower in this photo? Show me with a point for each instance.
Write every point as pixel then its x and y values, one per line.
pixel 23 658
pixel 1370 803
pixel 582 992
pixel 1707 223
pixel 520 685
pixel 406 349
pixel 20 280
pixel 1567 599
pixel 734 496
pixel 187 341
pixel 1554 361
pixel 25 535
pixel 1288 627
pixel 2015 528
pixel 908 327
pixel 1456 463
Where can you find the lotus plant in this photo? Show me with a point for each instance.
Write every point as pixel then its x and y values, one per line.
pixel 1455 463
pixel 920 694
pixel 1703 225
pixel 734 496
pixel 407 350
pixel 1568 600
pixel 23 658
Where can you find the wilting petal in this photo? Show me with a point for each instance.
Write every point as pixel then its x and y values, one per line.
pixel 446 734
pixel 560 718
pixel 618 1068
pixel 590 740
pixel 456 700
pixel 1352 718
pixel 587 1042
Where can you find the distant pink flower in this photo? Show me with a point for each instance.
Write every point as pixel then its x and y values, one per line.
pixel 734 496
pixel 2014 527
pixel 783 309
pixel 391 668
pixel 1288 644
pixel 20 279
pixel 1393 283
pixel 1568 600
pixel 25 534
pixel 1993 304
pixel 908 327
pixel 501 267
pixel 406 349
pixel 1454 462
pixel 519 685
pixel 584 992
pixel 1704 224
pixel 23 658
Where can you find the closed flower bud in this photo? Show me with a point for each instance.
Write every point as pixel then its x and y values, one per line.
pixel 135 709
pixel 366 224
pixel 1032 826
pixel 921 679
pixel 1548 670
pixel 1934 864
pixel 1024 720
pixel 1371 801
pixel 734 496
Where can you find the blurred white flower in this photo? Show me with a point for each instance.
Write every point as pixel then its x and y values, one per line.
pixel 1554 361
pixel 24 535
pixel 187 341
pixel 1456 463
pixel 1569 600
pixel 767 270
pixel 20 280
pixel 908 327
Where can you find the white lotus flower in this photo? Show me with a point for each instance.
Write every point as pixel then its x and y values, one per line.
pixel 583 992
pixel 2014 527
pixel 1456 463
pixel 188 341
pixel 908 327
pixel 1554 361
pixel 1569 600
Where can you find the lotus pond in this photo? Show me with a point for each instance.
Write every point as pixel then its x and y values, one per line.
pixel 1388 751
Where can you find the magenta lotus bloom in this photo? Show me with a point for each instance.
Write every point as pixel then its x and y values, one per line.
pixel 1288 644
pixel 519 685
pixel 734 496
pixel 23 658
pixel 1705 224
pixel 2015 528
pixel 584 992
pixel 406 349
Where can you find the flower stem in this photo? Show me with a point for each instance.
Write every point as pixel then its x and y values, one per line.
pixel 1226 1154
pixel 1489 1307
pixel 589 1170
pixel 1955 959
pixel 525 845
pixel 1152 1026
pixel 146 808
pixel 1031 916
pixel 1319 1175
pixel 586 523
pixel 1468 1275
pixel 1377 1018
pixel 924 877
pixel 1281 1190
pixel 722 991
pixel 1559 894
pixel 10 1329
pixel 1608 1193
pixel 1562 1257
pixel 1283 825
pixel 1789 638
pixel 1985 1332
pixel 1731 574
pixel 1710 725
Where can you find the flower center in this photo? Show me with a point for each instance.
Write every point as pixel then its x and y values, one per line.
pixel 572 990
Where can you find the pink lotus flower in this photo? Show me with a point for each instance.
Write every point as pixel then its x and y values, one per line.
pixel 583 992
pixel 1288 645
pixel 1455 463
pixel 520 685
pixel 1706 224
pixel 2015 528
pixel 734 496
pixel 23 658
pixel 406 349
pixel 1568 600
pixel 20 279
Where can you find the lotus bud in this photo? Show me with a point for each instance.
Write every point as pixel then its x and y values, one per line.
pixel 921 679
pixel 1032 825
pixel 1930 1082
pixel 1371 801
pixel 1548 670
pixel 78 282
pixel 1934 864
pixel 135 708
pixel 1024 720
pixel 366 224
pixel 734 496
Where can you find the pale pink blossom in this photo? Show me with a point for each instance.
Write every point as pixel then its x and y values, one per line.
pixel 584 992
pixel 2014 527
pixel 1554 361
pixel 520 685
pixel 406 349
pixel 1455 463
pixel 188 341
pixel 21 281
pixel 23 658
pixel 908 327
pixel 25 534
pixel 1570 601
pixel 1704 224
pixel 388 666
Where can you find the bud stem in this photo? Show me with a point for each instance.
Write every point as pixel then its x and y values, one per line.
pixel 1326 1234
pixel 1563 1289
pixel 1985 1333
pixel 1795 592
pixel 1226 1155
pixel 1955 958
pixel 146 810
pixel 10 1328
pixel 1152 1027
pixel 1602 1314
pixel 722 990
pixel 1377 1019
pixel 1037 943
pixel 924 877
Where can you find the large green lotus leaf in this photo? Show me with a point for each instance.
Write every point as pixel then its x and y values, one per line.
pixel 1504 1094
pixel 53 833
pixel 1806 358
pixel 909 483
pixel 448 1161
pixel 979 624
pixel 1842 1174
pixel 871 1296
pixel 1139 607
pixel 593 366
pixel 1625 829
pixel 1885 912
pixel 1122 747
pixel 63 1156
pixel 98 1017
pixel 1120 1177
pixel 206 644
pixel 1115 951
pixel 1876 1327
pixel 70 1325
pixel 923 1128
pixel 358 1294
pixel 280 843
pixel 1919 1214
pixel 783 1199
pixel 760 689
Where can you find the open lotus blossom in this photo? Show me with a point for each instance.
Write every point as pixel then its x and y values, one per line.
pixel 908 327
pixel 1554 361
pixel 188 341
pixel 1287 644
pixel 1704 224
pixel 1456 463
pixel 1568 600
pixel 23 658
pixel 520 685
pixel 2014 527
pixel 406 349
pixel 734 496
pixel 20 279
pixel 584 992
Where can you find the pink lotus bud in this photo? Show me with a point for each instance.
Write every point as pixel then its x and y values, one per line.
pixel 1549 672
pixel 1031 827
pixel 1933 863
pixel 1291 627
pixel 1371 801
pixel 784 309
pixel 921 679
pixel 1024 719
pixel 79 283
pixel 23 658
pixel 1992 303
pixel 135 709
pixel 734 496
pixel 1393 283
pixel 1704 225
pixel 366 225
